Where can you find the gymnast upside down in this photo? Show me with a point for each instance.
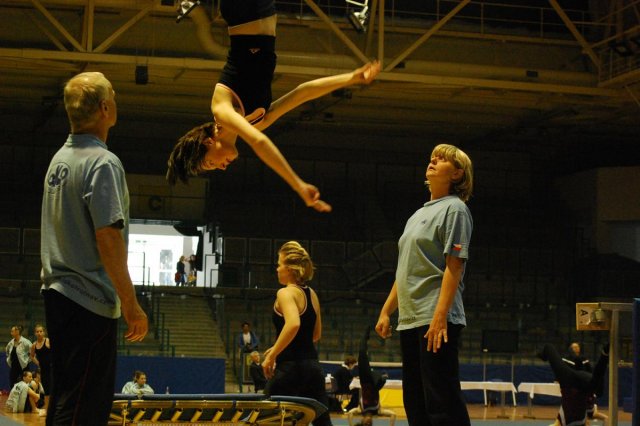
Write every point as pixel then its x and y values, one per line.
pixel 242 104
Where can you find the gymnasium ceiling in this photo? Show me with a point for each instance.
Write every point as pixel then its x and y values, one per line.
pixel 462 69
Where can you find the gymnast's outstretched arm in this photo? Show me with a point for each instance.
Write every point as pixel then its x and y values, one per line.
pixel 316 88
pixel 265 149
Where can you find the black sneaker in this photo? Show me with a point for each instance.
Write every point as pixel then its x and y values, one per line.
pixel 185 8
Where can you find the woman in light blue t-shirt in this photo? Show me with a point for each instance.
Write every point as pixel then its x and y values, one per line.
pixel 427 292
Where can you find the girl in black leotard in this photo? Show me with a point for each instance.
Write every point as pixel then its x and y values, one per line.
pixel 242 104
pixel 291 363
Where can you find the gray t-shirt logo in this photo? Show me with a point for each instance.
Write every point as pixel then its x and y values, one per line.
pixel 57 177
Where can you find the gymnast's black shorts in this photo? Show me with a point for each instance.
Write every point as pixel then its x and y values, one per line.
pixel 249 71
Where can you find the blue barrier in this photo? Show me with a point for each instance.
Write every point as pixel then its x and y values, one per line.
pixel 178 375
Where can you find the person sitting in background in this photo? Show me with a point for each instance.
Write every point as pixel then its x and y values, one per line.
pixel 37 387
pixel 23 399
pixel 138 386
pixel 256 373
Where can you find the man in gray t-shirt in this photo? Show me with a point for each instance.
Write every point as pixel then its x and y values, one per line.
pixel 86 282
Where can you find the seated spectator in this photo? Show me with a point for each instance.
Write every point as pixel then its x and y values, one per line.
pixel 37 387
pixel 138 386
pixel 23 399
pixel 256 373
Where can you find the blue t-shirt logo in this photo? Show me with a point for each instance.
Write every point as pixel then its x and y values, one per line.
pixel 57 177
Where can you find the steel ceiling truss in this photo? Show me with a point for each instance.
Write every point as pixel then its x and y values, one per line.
pixel 619 48
pixel 85 50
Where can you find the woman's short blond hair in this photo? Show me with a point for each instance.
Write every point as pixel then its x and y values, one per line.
pixel 296 258
pixel 463 188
